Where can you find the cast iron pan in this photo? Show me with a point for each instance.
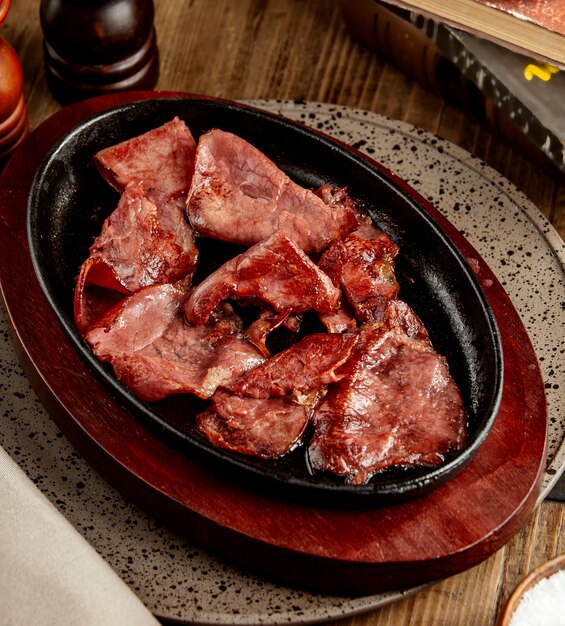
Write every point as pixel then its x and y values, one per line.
pixel 69 201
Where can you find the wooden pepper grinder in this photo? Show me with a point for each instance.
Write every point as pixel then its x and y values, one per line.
pixel 14 124
pixel 99 46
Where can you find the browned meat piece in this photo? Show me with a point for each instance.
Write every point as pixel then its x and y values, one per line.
pixel 241 196
pixel 267 322
pixel 143 242
pixel 162 158
pixel 275 271
pixel 367 229
pixel 341 321
pixel 311 363
pixel 398 314
pixel 336 196
pixel 397 405
pixel 155 353
pixel 339 196
pixel 266 410
pixel 364 268
pixel 146 241
pixel 92 300
pixel 262 427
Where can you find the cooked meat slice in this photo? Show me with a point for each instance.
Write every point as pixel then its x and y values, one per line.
pixel 265 411
pixel 311 363
pixel 339 196
pixel 143 242
pixel 342 321
pixel 398 314
pixel 267 322
pixel 262 427
pixel 97 290
pixel 367 228
pixel 336 196
pixel 364 268
pixel 397 405
pixel 162 158
pixel 239 195
pixel 275 271
pixel 155 353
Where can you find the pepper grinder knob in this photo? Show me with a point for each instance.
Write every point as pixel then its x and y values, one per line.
pixel 14 125
pixel 97 47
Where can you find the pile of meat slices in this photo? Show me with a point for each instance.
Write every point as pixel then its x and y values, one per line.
pixel 364 392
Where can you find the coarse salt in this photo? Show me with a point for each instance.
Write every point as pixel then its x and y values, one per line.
pixel 543 604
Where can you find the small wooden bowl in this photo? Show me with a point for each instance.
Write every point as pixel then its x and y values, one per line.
pixel 545 570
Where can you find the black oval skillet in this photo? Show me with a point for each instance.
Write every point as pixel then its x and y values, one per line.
pixel 69 200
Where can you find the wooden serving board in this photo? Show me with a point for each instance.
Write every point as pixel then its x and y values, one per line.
pixel 359 551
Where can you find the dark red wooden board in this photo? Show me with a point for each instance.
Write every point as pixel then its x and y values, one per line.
pixel 359 551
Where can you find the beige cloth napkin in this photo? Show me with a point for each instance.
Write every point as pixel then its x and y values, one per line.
pixel 49 574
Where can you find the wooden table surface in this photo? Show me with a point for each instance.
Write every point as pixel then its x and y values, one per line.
pixel 298 49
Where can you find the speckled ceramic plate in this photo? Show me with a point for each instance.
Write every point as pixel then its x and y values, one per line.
pixel 180 582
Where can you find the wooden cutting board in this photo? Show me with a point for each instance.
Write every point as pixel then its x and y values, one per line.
pixel 350 551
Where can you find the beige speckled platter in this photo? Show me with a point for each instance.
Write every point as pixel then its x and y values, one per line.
pixel 178 581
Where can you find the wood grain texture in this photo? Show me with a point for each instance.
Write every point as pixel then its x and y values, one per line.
pixel 297 49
